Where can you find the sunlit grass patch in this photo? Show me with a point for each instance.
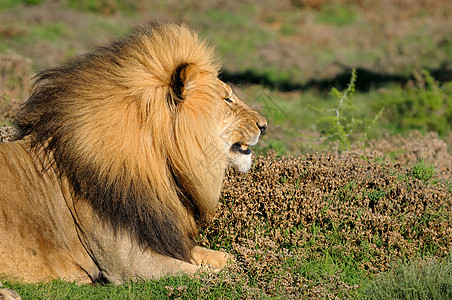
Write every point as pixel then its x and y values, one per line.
pixel 414 280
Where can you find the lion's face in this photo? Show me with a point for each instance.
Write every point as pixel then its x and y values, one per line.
pixel 240 128
pixel 232 125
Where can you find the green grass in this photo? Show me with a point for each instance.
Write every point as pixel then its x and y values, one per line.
pixel 423 104
pixel 51 32
pixel 105 7
pixel 423 171
pixel 9 4
pixel 168 287
pixel 406 281
pixel 225 29
pixel 337 15
pixel 346 116
pixel 414 280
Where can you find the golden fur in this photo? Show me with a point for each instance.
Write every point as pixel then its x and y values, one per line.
pixel 121 151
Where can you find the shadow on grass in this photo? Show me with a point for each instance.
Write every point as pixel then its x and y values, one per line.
pixel 367 79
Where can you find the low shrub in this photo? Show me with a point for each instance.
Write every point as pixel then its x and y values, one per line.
pixel 424 104
pixel 353 214
pixel 342 122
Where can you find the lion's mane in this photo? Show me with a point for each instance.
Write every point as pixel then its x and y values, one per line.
pixel 112 124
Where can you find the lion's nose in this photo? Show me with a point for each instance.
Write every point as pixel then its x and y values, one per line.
pixel 262 128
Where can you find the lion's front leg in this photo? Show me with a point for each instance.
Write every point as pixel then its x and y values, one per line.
pixel 216 259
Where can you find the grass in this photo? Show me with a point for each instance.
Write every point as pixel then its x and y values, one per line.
pixel 204 286
pixel 169 287
pixel 337 15
pixel 423 171
pixel 105 7
pixel 7 4
pixel 349 116
pixel 280 42
pixel 181 287
pixel 414 280
pixel 51 32
pixel 424 104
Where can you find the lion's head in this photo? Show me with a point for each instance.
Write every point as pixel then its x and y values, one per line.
pixel 143 130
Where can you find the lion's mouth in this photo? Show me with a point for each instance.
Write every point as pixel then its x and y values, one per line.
pixel 241 148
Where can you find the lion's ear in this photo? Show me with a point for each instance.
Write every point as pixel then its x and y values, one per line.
pixel 181 77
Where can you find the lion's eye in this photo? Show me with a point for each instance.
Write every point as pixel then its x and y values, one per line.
pixel 227 99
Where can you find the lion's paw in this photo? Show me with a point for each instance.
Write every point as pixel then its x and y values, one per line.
pixel 8 294
pixel 215 259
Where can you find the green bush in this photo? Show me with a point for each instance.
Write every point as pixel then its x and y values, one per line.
pixel 424 104
pixel 341 123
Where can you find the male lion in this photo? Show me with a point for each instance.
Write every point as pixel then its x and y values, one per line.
pixel 119 154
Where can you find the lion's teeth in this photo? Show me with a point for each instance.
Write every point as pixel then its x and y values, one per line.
pixel 244 147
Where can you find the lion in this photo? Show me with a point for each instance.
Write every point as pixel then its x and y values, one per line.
pixel 8 294
pixel 121 154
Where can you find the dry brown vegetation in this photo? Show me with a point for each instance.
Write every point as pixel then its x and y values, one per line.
pixel 15 73
pixel 354 207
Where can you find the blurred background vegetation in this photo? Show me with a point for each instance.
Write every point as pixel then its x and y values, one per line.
pixel 283 57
